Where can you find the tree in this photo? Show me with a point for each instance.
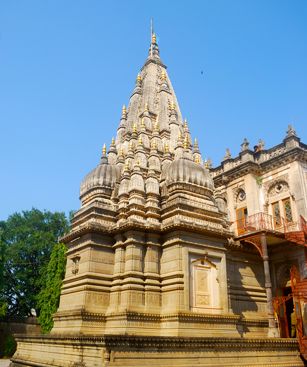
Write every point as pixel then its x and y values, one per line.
pixel 48 298
pixel 28 239
pixel 3 304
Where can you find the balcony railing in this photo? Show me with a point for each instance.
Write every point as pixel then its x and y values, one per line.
pixel 264 222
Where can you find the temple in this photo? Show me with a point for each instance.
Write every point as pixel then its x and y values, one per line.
pixel 173 262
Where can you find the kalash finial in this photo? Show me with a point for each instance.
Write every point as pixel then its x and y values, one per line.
pixel 163 75
pixel 134 128
pixel 143 124
pixel 185 124
pixel 153 38
pixel 104 150
pixel 195 143
pixel 140 140
pixel 186 142
pixel 126 168
pixel 139 78
pixel 124 112
pixel 197 159
pixel 146 106
pixel 166 147
pixel 113 141
pixel 154 49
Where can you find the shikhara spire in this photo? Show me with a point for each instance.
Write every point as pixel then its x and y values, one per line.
pixel 152 152
pixel 153 107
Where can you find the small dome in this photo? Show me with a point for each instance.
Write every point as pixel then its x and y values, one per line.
pixel 104 175
pixel 187 171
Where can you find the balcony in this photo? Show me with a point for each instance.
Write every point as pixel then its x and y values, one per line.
pixel 264 222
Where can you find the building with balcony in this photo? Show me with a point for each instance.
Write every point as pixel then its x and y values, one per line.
pixel 264 192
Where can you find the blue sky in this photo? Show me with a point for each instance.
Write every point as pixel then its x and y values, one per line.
pixel 67 67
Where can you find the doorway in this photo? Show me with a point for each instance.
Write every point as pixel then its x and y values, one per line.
pixel 284 311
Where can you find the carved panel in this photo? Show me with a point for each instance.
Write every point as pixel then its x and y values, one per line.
pixel 204 284
pixel 202 295
pixel 276 186
pixel 239 194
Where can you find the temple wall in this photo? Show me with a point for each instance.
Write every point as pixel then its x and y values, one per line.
pixel 246 285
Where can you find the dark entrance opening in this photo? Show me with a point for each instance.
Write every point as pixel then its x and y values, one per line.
pixel 289 310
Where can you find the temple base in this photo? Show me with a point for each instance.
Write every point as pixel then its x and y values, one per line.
pixel 118 350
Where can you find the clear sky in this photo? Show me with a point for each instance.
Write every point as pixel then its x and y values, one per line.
pixel 239 69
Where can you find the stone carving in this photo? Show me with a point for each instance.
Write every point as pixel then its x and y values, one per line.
pixel 245 145
pixel 239 194
pixel 276 186
pixel 290 131
pixel 227 154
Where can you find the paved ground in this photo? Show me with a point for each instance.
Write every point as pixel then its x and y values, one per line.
pixel 4 362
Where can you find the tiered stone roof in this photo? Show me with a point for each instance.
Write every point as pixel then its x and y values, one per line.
pixel 152 174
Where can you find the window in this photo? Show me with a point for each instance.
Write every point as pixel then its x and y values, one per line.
pixel 287 210
pixel 241 220
pixel 276 214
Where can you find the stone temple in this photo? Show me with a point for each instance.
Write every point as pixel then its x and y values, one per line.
pixel 172 262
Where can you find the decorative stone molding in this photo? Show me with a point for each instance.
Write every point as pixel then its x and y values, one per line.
pixel 277 186
pixel 239 194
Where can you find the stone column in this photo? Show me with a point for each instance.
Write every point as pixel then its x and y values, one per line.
pixel 273 331
pixel 132 295
pixel 151 273
pixel 119 263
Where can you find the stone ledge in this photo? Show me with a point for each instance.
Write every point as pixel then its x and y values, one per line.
pixel 163 343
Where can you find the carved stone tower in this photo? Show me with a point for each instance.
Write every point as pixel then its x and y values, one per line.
pixel 149 239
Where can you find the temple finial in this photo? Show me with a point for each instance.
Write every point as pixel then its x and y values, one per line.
pixel 154 49
pixel 126 168
pixel 197 159
pixel 186 142
pixel 104 150
pixel 124 112
pixel 166 148
pixel 152 34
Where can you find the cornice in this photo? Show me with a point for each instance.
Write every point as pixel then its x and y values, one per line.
pixel 258 165
pixel 126 342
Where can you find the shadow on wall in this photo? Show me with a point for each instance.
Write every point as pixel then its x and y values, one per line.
pixel 246 286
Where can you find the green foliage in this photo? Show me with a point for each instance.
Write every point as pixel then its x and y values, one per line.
pixel 48 298
pixel 10 345
pixel 3 304
pixel 259 180
pixel 3 308
pixel 27 240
